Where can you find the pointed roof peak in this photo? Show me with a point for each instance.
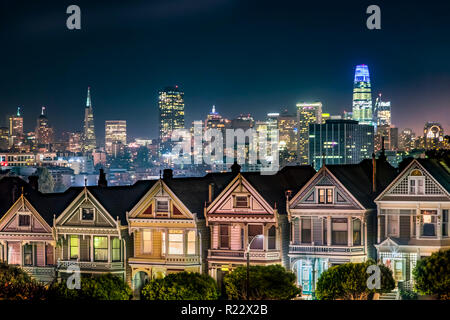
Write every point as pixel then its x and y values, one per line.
pixel 18 111
pixel 88 100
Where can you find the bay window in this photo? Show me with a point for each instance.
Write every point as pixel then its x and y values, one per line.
pixel 306 230
pixel 272 240
pixel 224 236
pixel 28 255
pixel 429 223
pixel 393 225
pixel 445 223
pixel 191 242
pixel 356 232
pixel 253 231
pixel 147 241
pixel 339 231
pixel 100 248
pixel 115 252
pixel 74 247
pixel 176 242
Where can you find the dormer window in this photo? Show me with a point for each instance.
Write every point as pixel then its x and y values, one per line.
pixel 24 220
pixel 416 182
pixel 87 214
pixel 162 207
pixel 325 195
pixel 241 202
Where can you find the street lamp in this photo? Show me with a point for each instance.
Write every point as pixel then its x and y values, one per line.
pixel 248 262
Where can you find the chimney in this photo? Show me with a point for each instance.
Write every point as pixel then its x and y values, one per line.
pixel 374 173
pixel 102 182
pixel 33 181
pixel 210 192
pixel 167 174
pixel 235 168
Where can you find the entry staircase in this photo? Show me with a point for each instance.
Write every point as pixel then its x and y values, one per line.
pixel 393 295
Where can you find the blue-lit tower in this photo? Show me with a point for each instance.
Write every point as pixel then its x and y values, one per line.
pixel 362 96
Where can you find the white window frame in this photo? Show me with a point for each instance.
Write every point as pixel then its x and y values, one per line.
pixel 183 241
pixel 143 242
pixel 162 213
pixel 416 180
pixel 93 215
pixel 436 230
pixel 28 227
pixel 70 247
pixel 242 196
pixel 187 242
pixel 326 188
pixel 387 222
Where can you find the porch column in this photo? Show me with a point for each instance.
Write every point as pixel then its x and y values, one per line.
pixel 92 248
pixel 378 228
pixel 439 224
pixel 417 223
pixel 329 230
pixel 349 232
pixel 109 249
pixel 299 230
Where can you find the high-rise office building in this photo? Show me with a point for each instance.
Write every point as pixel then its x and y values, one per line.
pixel 433 135
pixel 339 142
pixel 390 135
pixel 382 112
pixel 16 128
pixel 115 136
pixel 171 111
pixel 307 113
pixel 75 142
pixel 362 96
pixel 89 139
pixel 44 132
pixel 406 139
pixel 4 138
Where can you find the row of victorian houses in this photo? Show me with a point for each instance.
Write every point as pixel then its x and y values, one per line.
pixel 304 220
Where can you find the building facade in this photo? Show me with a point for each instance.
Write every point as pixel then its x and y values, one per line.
pixel 340 142
pixel 171 111
pixel 332 219
pixel 362 96
pixel 89 139
pixel 307 113
pixel 115 136
pixel 413 217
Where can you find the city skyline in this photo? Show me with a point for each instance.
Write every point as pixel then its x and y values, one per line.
pixel 216 65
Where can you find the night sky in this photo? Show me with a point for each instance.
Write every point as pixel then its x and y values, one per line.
pixel 243 56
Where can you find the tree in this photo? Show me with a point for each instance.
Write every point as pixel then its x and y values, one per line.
pixel 181 286
pixel 432 275
pixel 348 281
pixel 16 284
pixel 46 183
pixel 266 283
pixel 103 287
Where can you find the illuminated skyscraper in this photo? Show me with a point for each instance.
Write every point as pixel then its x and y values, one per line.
pixel 382 112
pixel 433 135
pixel 362 96
pixel 44 133
pixel 171 111
pixel 406 139
pixel 16 128
pixel 115 136
pixel 307 113
pixel 339 142
pixel 89 140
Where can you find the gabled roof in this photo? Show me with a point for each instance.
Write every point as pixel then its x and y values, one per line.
pixel 439 170
pixel 357 179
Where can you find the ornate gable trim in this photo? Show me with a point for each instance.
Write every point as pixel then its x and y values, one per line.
pixel 324 177
pixel 147 201
pixel 83 197
pixel 239 182
pixel 23 203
